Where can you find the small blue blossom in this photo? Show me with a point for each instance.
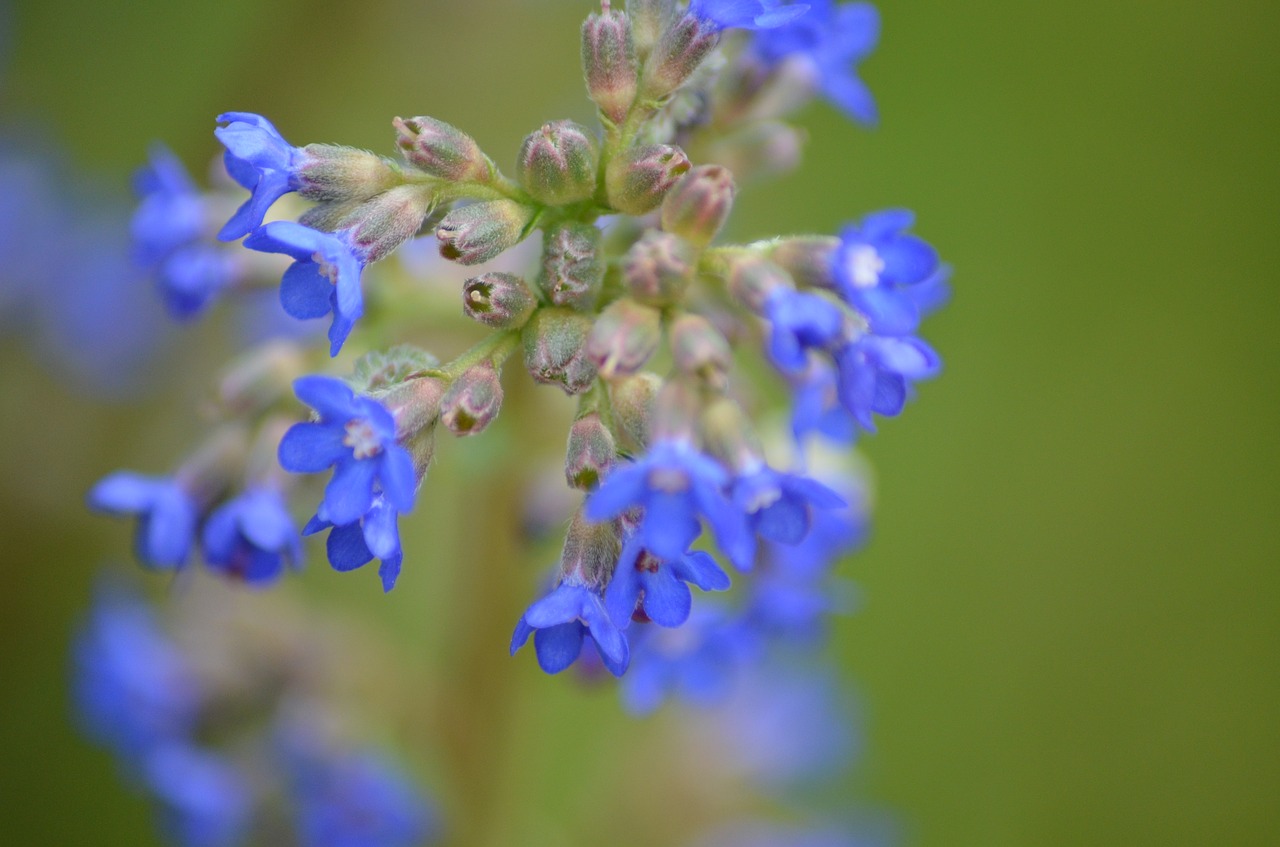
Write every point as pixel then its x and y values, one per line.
pixel 816 405
pixel 204 800
pixel 697 662
pixel 932 294
pixel 745 14
pixel 658 588
pixel 876 373
pixel 357 800
pixel 875 260
pixel 828 42
pixel 192 276
pixel 674 483
pixel 167 515
pixel 356 436
pixel 374 536
pixel 252 537
pixel 259 159
pixel 324 278
pixel 779 506
pixel 573 612
pixel 171 212
pixel 799 322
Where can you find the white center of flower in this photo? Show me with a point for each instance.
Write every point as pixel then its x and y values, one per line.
pixel 865 266
pixel 326 270
pixel 670 480
pixel 361 438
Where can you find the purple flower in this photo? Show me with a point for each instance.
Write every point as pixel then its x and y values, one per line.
pixel 167 515
pixel 376 535
pixel 259 159
pixel 570 614
pixel 828 42
pixel 324 278
pixel 876 373
pixel 675 484
pixel 252 537
pixel 643 583
pixel 800 322
pixel 778 505
pixel 875 259
pixel 745 14
pixel 356 436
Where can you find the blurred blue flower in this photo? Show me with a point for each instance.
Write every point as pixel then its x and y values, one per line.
pixel 876 374
pixel 816 407
pixel 799 322
pixel 204 800
pixel 167 515
pixel 876 259
pixel 698 662
pixel 778 505
pixel 252 537
pixel 745 14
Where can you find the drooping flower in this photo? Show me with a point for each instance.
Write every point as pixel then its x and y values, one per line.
pixel 171 210
pixel 745 14
pixel 875 262
pixel 374 536
pixel 259 159
pixel 324 278
pixel 659 588
pixel 252 537
pixel 799 322
pixel 815 406
pixel 779 506
pixel 191 276
pixel 827 44
pixel 876 373
pixel 573 612
pixel 356 436
pixel 167 515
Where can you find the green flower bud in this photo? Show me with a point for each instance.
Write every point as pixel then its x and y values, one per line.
pixel 557 164
pixel 555 342
pixel 728 435
pixel 633 400
pixel 624 337
pixel 700 350
pixel 573 265
pixel 332 172
pixel 473 234
pixel 498 300
pixel 609 62
pixel 591 551
pixel 698 205
pixel 380 225
pixel 658 267
pixel 638 179
pixel 591 452
pixel 752 280
pixel 441 150
pixel 414 403
pixel 807 259
pixel 473 400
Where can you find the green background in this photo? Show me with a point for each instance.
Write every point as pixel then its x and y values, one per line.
pixel 1070 626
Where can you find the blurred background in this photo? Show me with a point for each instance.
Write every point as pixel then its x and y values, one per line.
pixel 1070 626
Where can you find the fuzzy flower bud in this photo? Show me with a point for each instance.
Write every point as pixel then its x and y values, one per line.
pixel 729 435
pixel 332 172
pixel 658 267
pixel 573 265
pixel 441 150
pixel 700 350
pixel 555 343
pixel 609 62
pixel 591 552
pixel 638 179
pixel 472 401
pixel 633 401
pixel 751 281
pixel 414 404
pixel 498 300
pixel 473 234
pixel 591 452
pixel 808 259
pixel 380 225
pixel 699 204
pixel 681 48
pixel 649 19
pixel 557 164
pixel 624 337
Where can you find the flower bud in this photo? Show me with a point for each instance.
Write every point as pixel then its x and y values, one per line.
pixel 554 349
pixel 473 234
pixel 649 19
pixel 752 280
pixel 638 179
pixel 658 267
pixel 557 164
pixel 260 377
pixel 680 49
pixel 698 205
pixel 380 225
pixel 498 300
pixel 759 150
pixel 729 436
pixel 441 150
pixel 591 452
pixel 624 337
pixel 332 172
pixel 700 350
pixel 414 403
pixel 807 259
pixel 609 62
pixel 378 370
pixel 573 265
pixel 473 400
pixel 633 402
pixel 591 551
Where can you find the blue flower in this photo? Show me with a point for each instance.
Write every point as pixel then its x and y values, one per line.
pixel 192 276
pixel 745 14
pixel 816 405
pixel 674 483
pixel 259 159
pixel 376 535
pixel 643 583
pixel 830 40
pixel 697 662
pixel 875 259
pixel 876 373
pixel 324 278
pixel 573 612
pixel 252 537
pixel 778 505
pixel 167 515
pixel 205 801
pixel 356 436
pixel 358 800
pixel 172 210
pixel 799 322
pixel 933 293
